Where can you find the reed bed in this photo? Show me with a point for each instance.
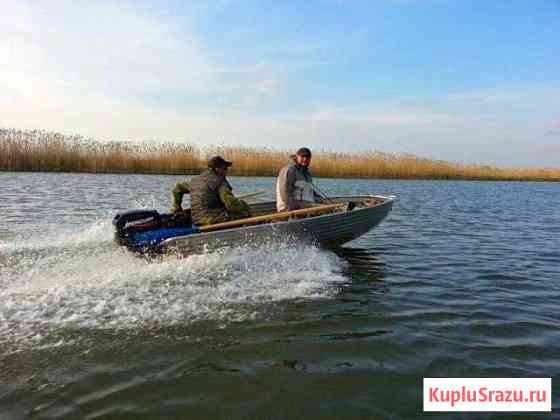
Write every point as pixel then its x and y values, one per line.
pixel 39 150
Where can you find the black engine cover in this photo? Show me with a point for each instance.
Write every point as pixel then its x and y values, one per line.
pixel 136 221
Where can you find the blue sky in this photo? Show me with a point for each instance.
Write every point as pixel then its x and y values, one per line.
pixel 467 81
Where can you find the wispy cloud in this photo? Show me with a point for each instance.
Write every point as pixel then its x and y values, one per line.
pixel 379 116
pixel 100 46
pixel 70 49
pixel 554 127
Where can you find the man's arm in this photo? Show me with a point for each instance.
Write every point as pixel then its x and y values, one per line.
pixel 318 198
pixel 233 204
pixel 180 189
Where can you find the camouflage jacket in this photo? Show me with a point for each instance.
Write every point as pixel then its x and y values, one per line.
pixel 227 205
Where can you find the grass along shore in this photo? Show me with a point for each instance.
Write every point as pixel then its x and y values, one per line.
pixel 39 150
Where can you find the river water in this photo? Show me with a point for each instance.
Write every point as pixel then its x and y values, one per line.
pixel 461 280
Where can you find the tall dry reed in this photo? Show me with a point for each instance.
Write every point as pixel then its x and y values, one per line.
pixel 38 150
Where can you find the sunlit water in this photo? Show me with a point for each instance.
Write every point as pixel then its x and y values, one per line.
pixel 462 279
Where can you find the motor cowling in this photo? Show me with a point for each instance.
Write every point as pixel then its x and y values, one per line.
pixel 130 222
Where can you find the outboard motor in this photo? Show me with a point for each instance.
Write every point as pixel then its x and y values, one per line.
pixel 144 230
pixel 134 221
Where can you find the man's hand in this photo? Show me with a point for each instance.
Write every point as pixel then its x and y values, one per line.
pixel 246 210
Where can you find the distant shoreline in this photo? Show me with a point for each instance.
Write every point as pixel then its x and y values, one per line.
pixel 2 171
pixel 45 151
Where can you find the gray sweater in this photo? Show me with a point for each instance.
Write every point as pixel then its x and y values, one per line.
pixel 294 188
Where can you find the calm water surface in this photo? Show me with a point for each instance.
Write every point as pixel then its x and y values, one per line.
pixel 461 280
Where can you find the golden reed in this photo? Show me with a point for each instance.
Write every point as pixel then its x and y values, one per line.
pixel 39 150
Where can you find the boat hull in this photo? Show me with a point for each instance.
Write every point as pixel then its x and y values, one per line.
pixel 326 230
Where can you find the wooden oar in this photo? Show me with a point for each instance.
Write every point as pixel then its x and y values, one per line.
pixel 313 211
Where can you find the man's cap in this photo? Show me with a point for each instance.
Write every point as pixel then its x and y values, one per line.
pixel 303 151
pixel 218 162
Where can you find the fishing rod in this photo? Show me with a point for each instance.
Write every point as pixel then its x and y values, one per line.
pixel 321 193
pixel 351 205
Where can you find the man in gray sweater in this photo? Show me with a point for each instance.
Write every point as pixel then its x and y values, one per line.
pixel 294 186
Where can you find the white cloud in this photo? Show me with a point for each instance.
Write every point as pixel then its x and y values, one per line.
pixel 99 46
pixel 379 116
pixel 554 128
pixel 268 86
pixel 76 51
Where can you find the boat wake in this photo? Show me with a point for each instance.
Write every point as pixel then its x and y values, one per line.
pixel 52 286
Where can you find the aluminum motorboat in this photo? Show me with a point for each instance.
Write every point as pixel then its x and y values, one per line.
pixel 335 221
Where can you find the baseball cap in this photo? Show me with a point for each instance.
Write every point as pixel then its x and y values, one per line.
pixel 219 162
pixel 303 151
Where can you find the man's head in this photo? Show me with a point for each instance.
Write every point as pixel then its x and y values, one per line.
pixel 303 156
pixel 219 165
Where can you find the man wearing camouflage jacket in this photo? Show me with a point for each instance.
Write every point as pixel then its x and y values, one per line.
pixel 212 200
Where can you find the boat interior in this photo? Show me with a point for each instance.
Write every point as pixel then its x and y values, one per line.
pixel 266 212
pixel 269 207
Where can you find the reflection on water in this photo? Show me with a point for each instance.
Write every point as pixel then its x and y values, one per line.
pixel 363 263
pixel 452 283
pixel 6 235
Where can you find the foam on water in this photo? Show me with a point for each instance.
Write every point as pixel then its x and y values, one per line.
pixel 78 279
